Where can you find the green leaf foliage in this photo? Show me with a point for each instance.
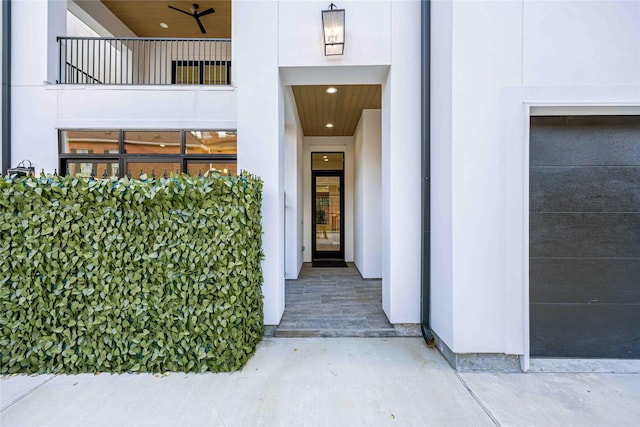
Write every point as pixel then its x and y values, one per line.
pixel 129 276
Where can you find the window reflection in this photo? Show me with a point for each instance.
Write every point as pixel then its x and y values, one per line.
pixel 123 152
pixel 211 142
pixel 152 142
pixel 157 169
pixel 97 169
pixel 207 168
pixel 88 142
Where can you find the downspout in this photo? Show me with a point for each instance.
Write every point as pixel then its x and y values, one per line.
pixel 6 85
pixel 425 294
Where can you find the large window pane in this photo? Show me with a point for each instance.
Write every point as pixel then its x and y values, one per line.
pixel 327 211
pixel 119 152
pixel 88 167
pixel 89 142
pixel 152 142
pixel 208 167
pixel 159 168
pixel 211 142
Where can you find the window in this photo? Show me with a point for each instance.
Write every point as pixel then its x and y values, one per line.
pixel 119 152
pixel 201 72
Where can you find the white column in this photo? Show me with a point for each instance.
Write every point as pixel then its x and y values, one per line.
pixel 293 201
pixel 261 133
pixel 441 172
pixel 367 200
pixel 401 168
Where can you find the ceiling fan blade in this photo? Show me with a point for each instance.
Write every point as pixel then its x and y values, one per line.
pixel 206 12
pixel 200 25
pixel 180 10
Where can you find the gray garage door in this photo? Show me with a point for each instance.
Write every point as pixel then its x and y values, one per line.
pixel 584 266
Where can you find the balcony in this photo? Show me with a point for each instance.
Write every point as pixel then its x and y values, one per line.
pixel 144 61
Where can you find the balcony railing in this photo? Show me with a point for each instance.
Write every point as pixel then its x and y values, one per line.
pixel 144 61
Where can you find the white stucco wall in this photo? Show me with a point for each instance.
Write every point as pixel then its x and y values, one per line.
pixel 77 28
pixel 367 200
pixel 401 168
pixel 490 60
pixel 367 34
pixel 441 310
pixel 294 221
pixel 35 26
pixel 34 65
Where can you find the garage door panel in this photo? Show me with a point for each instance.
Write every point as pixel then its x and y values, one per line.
pixel 584 189
pixel 584 280
pixel 584 235
pixel 584 330
pixel 579 141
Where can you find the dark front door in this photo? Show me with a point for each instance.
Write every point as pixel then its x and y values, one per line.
pixel 327 215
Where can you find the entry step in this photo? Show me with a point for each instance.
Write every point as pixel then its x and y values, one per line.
pixel 308 333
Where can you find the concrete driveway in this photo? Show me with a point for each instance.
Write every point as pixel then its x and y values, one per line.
pixel 327 382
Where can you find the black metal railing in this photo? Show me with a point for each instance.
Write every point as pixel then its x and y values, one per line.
pixel 144 61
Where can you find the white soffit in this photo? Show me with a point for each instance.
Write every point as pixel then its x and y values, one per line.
pixel 334 75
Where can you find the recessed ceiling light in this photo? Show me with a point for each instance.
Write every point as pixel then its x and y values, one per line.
pixel 331 90
pixel 326 160
pixel 329 125
pixel 324 157
pixel 162 145
pixel 164 25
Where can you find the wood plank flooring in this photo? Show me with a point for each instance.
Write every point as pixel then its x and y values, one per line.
pixel 333 302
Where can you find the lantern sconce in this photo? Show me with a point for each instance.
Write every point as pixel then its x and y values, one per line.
pixel 333 28
pixel 24 168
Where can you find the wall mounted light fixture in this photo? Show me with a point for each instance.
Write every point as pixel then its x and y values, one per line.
pixel 333 28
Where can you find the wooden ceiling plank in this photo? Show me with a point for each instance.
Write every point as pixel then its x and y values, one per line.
pixel 339 110
pixel 357 109
pixel 316 108
pixel 144 18
pixel 321 114
pixel 306 116
pixel 310 104
pixel 351 108
pixel 332 100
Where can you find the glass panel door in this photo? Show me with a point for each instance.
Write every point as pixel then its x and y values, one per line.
pixel 328 223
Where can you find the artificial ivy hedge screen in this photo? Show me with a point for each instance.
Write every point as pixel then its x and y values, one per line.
pixel 126 275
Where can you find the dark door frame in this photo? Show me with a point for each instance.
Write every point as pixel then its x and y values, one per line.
pixel 314 251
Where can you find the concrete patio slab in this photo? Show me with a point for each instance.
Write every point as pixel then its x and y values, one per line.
pixel 289 382
pixel 15 387
pixel 534 399
pixel 327 382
